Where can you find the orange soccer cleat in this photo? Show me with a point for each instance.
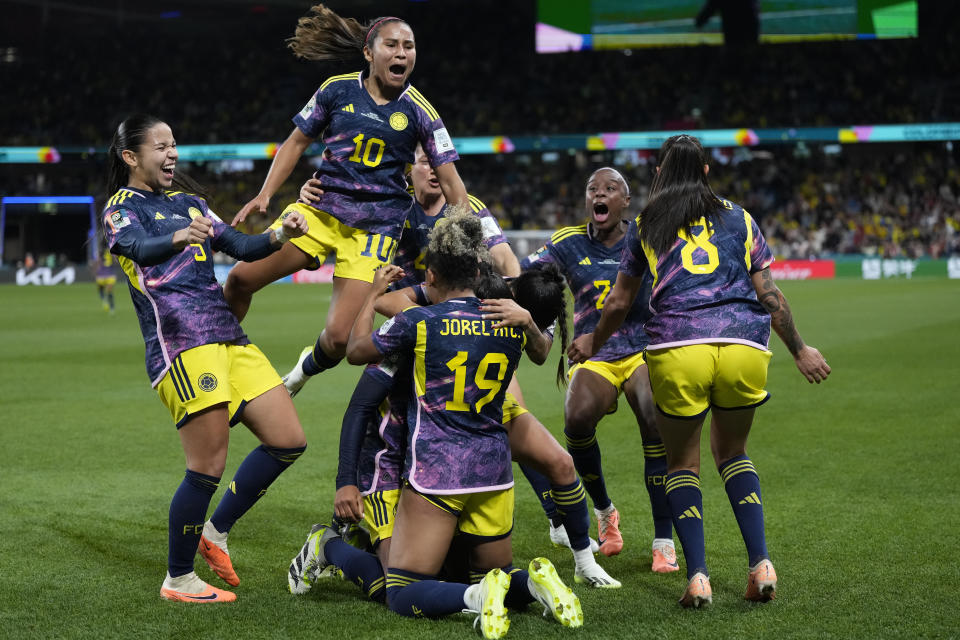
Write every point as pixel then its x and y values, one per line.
pixel 698 593
pixel 762 582
pixel 219 561
pixel 190 588
pixel 608 527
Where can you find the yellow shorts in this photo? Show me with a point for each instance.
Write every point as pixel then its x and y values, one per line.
pixel 687 381
pixel 485 516
pixel 212 374
pixel 616 372
pixel 379 514
pixel 511 408
pixel 107 281
pixel 359 253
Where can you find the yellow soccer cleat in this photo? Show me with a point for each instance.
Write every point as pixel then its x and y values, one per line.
pixel 556 597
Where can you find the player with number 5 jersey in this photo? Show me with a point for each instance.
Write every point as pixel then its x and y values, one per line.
pixel 370 122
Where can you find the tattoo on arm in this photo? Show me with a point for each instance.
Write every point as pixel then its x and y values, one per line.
pixel 780 317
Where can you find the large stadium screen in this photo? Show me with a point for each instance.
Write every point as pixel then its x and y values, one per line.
pixel 576 25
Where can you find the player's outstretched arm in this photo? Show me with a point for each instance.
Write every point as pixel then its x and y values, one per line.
pixel 283 163
pixel 360 347
pixel 451 185
pixel 808 359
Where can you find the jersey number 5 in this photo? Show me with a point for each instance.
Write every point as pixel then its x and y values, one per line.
pixel 200 255
pixel 362 152
pixel 457 364
pixel 699 241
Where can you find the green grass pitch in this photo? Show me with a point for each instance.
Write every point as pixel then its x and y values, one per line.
pixel 859 478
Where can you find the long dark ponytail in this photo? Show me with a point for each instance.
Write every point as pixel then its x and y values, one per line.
pixel 131 134
pixel 543 293
pixel 679 196
pixel 325 35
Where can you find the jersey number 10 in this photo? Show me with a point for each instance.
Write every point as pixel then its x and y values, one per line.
pixel 362 152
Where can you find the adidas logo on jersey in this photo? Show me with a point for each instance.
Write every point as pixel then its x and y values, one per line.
pixel 159 216
pixel 586 261
pixel 753 498
pixel 348 108
pixel 692 512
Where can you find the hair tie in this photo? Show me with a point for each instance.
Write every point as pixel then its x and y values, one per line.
pixel 374 26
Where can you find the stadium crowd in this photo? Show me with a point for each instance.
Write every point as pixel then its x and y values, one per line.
pixel 903 201
pixel 225 93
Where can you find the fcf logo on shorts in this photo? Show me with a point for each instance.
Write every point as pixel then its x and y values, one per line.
pixel 207 381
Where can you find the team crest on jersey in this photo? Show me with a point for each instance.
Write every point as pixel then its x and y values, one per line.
pixel 309 107
pixel 398 120
pixel 207 381
pixel 194 213
pixel 118 220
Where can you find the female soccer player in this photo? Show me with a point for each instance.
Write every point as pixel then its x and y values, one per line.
pixel 460 475
pixel 371 122
pixel 204 368
pixel 713 301
pixel 589 255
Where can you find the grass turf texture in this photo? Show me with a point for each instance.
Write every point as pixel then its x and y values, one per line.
pixel 859 481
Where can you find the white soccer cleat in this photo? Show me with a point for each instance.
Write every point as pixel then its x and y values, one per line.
pixel 295 380
pixel 557 598
pixel 306 566
pixel 594 576
pixel 559 538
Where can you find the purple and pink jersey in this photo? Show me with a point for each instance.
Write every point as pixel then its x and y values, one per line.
pixel 368 147
pixel 412 247
pixel 461 367
pixel 590 268
pixel 382 454
pixel 179 302
pixel 702 289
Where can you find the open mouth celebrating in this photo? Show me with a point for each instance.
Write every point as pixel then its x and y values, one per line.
pixel 600 211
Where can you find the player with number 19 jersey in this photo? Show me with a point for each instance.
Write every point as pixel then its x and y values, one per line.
pixel 590 268
pixel 457 443
pixel 702 290
pixel 368 147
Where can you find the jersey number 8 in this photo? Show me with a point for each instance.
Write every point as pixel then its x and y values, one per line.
pixel 699 241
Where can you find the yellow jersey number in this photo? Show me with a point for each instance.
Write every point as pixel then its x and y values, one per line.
pixel 457 364
pixel 200 255
pixel 699 241
pixel 604 286
pixel 363 151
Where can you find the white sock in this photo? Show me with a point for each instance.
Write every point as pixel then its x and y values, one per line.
pixel 663 542
pixel 220 539
pixel 187 583
pixel 604 512
pixel 471 598
pixel 583 558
